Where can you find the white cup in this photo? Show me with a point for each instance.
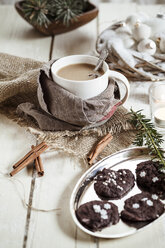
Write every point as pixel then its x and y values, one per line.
pixel 87 88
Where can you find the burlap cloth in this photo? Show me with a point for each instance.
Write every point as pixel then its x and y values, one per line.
pixel 18 84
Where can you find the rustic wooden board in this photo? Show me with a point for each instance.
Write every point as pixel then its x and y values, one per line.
pixel 154 236
pixel 79 41
pixel 56 229
pixel 15 142
pixel 62 172
pixel 53 191
pixel 7 1
pixel 17 37
pixel 113 13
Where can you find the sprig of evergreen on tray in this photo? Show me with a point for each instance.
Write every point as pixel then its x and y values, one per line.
pixel 148 136
pixel 43 12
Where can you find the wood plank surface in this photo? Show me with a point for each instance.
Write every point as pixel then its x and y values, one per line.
pixel 154 236
pixel 79 41
pixel 17 38
pixel 112 13
pixel 54 191
pixel 56 229
pixel 14 143
pixel 62 173
pixel 7 1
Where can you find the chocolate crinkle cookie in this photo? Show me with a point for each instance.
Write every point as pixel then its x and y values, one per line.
pixel 110 184
pixel 142 207
pixel 150 179
pixel 95 215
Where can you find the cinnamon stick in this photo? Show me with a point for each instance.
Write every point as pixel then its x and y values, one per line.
pixel 99 147
pixel 39 165
pixel 35 148
pixel 41 173
pixel 29 159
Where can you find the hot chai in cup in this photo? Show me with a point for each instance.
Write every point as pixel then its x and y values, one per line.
pixel 75 73
pixel 80 72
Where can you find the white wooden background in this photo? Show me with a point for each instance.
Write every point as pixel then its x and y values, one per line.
pixel 22 227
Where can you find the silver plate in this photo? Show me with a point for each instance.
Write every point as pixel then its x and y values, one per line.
pixel 84 191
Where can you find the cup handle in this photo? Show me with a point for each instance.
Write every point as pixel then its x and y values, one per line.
pixel 123 79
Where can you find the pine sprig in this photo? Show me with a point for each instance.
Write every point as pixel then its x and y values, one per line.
pixel 43 12
pixel 37 11
pixel 67 10
pixel 148 136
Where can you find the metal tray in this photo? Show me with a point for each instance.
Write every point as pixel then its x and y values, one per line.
pixel 84 191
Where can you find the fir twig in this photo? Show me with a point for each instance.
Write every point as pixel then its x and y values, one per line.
pixel 148 136
pixel 37 11
pixel 43 12
pixel 67 10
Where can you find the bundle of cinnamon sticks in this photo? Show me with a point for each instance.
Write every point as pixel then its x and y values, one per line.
pixel 33 155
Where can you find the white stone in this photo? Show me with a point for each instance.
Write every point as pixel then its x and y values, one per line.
pixel 147 46
pixel 128 42
pixel 141 31
pixel 132 20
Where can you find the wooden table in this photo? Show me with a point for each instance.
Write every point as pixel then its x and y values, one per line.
pixel 21 226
